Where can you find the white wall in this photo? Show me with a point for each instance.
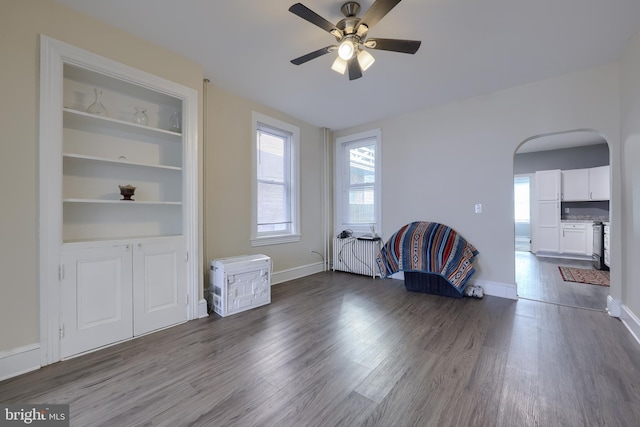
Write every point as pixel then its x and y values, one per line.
pixel 438 163
pixel 21 22
pixel 630 137
pixel 228 187
pixel 226 191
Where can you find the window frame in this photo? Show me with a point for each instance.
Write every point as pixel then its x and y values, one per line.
pixel 278 127
pixel 342 146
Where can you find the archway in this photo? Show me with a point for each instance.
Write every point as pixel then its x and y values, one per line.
pixel 578 153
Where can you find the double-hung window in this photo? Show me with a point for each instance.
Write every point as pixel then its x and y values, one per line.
pixel 358 197
pixel 275 216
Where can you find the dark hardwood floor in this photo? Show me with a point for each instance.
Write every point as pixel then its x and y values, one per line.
pixel 538 278
pixel 336 349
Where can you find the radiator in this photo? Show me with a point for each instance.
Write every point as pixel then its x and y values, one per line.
pixel 356 256
pixel 239 283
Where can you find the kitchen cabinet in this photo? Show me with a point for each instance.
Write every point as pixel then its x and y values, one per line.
pixel 548 185
pixel 547 230
pixel 574 238
pixel 579 185
pixel 575 185
pixel 599 183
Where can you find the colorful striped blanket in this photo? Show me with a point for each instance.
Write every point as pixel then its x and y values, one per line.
pixel 429 247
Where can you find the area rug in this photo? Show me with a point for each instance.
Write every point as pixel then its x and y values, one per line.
pixel 584 275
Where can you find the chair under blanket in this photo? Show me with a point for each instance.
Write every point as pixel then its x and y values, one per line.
pixel 435 259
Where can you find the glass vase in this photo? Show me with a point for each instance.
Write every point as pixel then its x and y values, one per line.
pixel 98 107
pixel 140 117
pixel 175 122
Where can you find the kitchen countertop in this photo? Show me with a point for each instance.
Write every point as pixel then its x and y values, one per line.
pixel 576 218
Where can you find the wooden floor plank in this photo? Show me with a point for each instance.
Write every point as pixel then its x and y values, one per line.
pixel 336 349
pixel 539 278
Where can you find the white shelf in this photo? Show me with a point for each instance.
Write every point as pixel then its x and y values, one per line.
pixel 120 202
pixel 118 162
pixel 108 121
pixel 120 240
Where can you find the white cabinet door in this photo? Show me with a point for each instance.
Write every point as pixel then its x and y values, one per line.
pixel 547 231
pixel 599 183
pixel 548 228
pixel 95 298
pixel 575 185
pixel 548 184
pixel 573 241
pixel 159 285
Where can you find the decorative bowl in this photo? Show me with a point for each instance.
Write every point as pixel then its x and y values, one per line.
pixel 127 191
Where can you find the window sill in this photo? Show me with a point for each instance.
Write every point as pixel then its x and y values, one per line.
pixel 275 240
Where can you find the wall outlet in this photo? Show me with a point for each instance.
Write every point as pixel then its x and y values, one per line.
pixel 478 208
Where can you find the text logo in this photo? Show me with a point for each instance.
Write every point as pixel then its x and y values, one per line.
pixel 34 415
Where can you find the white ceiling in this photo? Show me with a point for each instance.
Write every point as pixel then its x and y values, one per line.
pixel 561 140
pixel 469 48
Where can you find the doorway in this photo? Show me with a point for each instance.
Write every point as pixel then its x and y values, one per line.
pixel 522 211
pixel 538 275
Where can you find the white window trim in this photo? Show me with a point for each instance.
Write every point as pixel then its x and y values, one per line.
pixel 294 234
pixel 341 176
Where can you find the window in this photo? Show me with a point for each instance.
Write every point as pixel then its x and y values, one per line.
pixel 275 216
pixel 521 198
pixel 358 183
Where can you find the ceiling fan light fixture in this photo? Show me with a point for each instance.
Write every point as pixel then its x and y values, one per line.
pixel 337 33
pixel 339 65
pixel 365 59
pixel 362 30
pixel 346 49
pixel 351 36
pixel 371 44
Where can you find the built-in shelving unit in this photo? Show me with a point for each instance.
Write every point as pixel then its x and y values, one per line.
pixel 113 269
pixel 102 152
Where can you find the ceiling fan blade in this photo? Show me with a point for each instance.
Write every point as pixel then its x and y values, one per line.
pixel 394 45
pixel 355 72
pixel 309 15
pixel 377 11
pixel 313 55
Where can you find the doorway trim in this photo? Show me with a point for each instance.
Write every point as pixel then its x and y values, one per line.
pixel 613 305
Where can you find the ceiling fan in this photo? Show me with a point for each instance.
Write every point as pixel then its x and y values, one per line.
pixel 351 35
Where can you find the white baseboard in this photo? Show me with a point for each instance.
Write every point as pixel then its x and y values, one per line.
pixel 296 273
pixel 202 308
pixel 613 306
pixel 19 361
pixel 497 289
pixel 563 256
pixel 631 321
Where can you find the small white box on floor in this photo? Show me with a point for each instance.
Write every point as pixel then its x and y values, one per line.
pixel 240 283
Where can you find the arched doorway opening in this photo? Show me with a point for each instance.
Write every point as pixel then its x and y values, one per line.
pixel 545 245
